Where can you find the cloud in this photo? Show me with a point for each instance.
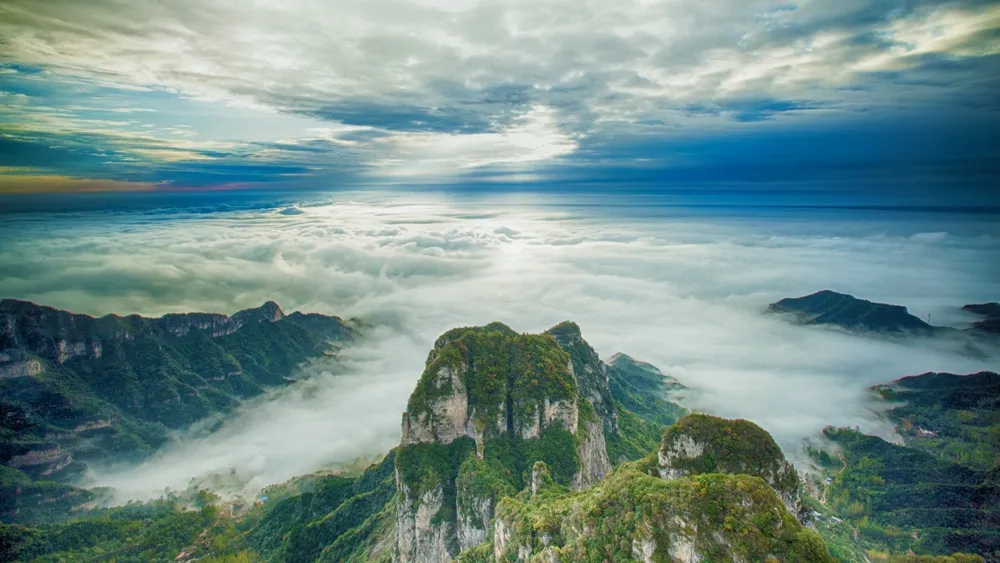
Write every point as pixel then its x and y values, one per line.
pixel 35 183
pixel 484 89
pixel 682 288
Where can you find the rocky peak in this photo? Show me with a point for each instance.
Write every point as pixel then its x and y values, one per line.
pixel 269 312
pixel 490 403
pixel 591 373
pixel 483 382
pixel 701 444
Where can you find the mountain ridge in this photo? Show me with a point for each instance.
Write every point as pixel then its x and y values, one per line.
pixel 107 389
pixel 828 307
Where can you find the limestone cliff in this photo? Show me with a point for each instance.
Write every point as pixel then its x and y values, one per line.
pixel 699 444
pixel 107 389
pixel 716 490
pixel 591 372
pixel 489 404
pixel 635 516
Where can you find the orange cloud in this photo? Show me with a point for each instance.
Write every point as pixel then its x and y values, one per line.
pixel 51 183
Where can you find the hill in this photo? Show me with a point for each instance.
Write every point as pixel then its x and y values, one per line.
pixel 77 389
pixel 831 308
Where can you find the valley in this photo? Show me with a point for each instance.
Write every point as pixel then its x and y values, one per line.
pixel 514 447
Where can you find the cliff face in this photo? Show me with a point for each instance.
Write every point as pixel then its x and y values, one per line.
pixel 634 516
pixel 701 444
pixel 717 490
pixel 591 372
pixel 489 403
pixel 70 374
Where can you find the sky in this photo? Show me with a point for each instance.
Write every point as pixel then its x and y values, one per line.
pixel 889 100
pixel 658 171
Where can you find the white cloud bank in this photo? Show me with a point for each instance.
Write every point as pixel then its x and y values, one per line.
pixel 683 291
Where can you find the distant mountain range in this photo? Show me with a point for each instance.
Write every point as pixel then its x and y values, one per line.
pixel 77 389
pixel 840 309
pixel 515 447
pixel 990 313
pixel 832 308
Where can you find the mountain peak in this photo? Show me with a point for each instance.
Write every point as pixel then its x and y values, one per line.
pixel 268 312
pixel 832 308
pixel 621 360
pixel 699 444
pixel 990 313
pixel 490 403
pixel 566 333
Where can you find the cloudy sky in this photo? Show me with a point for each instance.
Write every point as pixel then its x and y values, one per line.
pixel 890 96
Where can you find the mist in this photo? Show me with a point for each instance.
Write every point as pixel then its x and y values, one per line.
pixel 684 290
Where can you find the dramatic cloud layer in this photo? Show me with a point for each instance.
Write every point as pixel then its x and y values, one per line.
pixel 315 93
pixel 683 288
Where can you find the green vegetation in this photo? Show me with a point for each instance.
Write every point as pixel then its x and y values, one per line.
pixel 337 519
pixel 154 532
pixel 954 558
pixel 901 499
pixel 643 390
pixel 501 370
pixel 640 394
pixel 425 467
pixel 110 389
pixel 636 436
pixel 954 417
pixel 343 520
pixel 723 517
pixel 730 446
pixel 587 368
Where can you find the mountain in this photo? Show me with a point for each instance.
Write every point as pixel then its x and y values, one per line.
pixel 504 457
pixel 901 499
pixel 954 417
pixel 489 404
pixel 676 504
pixel 496 412
pixel 77 389
pixel 936 495
pixel 832 308
pixel 700 444
pixel 644 390
pixel 991 314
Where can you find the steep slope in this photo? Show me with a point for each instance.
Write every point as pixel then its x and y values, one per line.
pixel 902 499
pixel 643 389
pixel 496 412
pixel 954 417
pixel 700 444
pixel 489 404
pixel 80 389
pixel 645 511
pixel 832 308
pixel 339 519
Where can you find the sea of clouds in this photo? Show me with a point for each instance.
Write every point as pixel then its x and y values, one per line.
pixel 685 289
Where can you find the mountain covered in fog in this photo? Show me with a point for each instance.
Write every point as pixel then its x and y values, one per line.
pixel 78 389
pixel 515 447
pixel 831 308
pixel 989 314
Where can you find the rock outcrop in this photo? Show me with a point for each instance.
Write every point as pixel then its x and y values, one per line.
pixel 700 444
pixel 145 375
pixel 591 372
pixel 490 400
pixel 635 516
